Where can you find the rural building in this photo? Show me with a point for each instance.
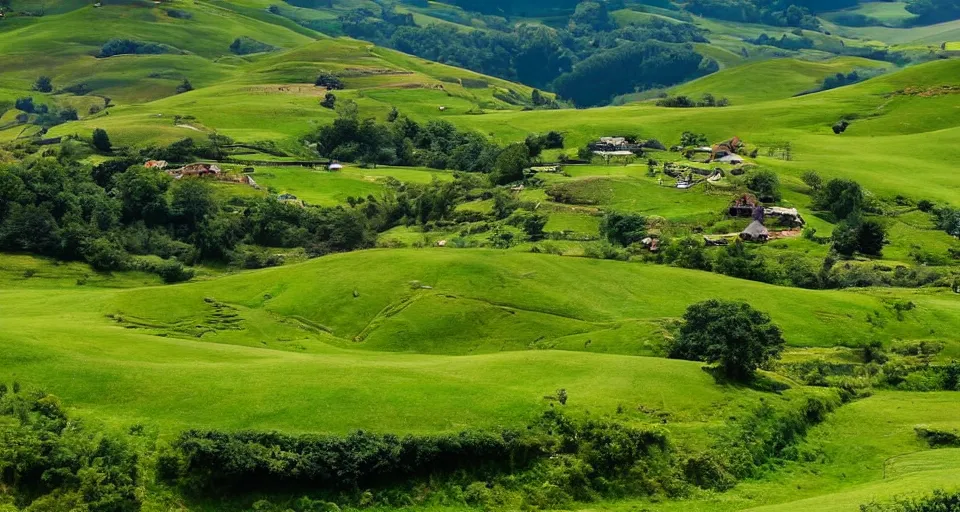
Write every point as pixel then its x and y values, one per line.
pixel 786 216
pixel 335 167
pixel 755 232
pixel 196 170
pixel 726 148
pixel 730 159
pixel 156 164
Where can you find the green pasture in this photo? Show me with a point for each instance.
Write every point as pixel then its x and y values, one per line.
pixel 328 188
pixel 413 300
pixel 63 343
pixel 782 78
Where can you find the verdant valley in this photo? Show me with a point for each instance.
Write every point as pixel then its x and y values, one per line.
pixel 331 255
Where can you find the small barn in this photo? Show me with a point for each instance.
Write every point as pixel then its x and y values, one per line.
pixel 755 232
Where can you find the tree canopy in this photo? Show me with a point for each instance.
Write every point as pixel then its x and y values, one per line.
pixel 738 338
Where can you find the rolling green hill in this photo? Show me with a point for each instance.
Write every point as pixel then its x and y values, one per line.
pixel 784 78
pixel 436 327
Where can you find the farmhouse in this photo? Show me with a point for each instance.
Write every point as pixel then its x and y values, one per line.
pixel 755 232
pixel 196 170
pixel 156 164
pixel 788 216
pixel 726 148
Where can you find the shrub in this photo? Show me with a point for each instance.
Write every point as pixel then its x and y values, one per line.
pixel 732 334
pixel 184 86
pixel 329 101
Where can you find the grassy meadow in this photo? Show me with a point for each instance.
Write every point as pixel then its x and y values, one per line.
pixel 414 338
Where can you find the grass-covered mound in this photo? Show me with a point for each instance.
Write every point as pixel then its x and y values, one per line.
pixel 463 301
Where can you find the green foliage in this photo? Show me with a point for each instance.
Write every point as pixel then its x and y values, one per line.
pixel 690 139
pixel 738 260
pixel 131 47
pixel 765 184
pixel 185 86
pixel 939 501
pixel 632 66
pixel 857 234
pixel 623 228
pixel 510 164
pixel 101 140
pixel 50 462
pixel 43 84
pixel 329 80
pixel 244 45
pixel 737 337
pixel 841 197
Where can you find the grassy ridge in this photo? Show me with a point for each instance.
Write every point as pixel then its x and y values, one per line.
pixel 783 78
pixel 66 346
pixel 485 301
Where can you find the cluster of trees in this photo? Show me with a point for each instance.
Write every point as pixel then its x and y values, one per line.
pixel 948 219
pixel 132 47
pixel 841 80
pixel 787 42
pixel 245 45
pixel 111 214
pixel 538 55
pixel 845 199
pixel 629 68
pixel 51 462
pixel 940 500
pixel 934 11
pixel 437 144
pixel 707 100
pixel 785 13
pixel 42 114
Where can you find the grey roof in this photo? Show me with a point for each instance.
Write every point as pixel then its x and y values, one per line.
pixel 756 229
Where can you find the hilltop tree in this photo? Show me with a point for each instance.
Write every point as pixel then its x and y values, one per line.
pixel 101 140
pixel 733 335
pixel 43 84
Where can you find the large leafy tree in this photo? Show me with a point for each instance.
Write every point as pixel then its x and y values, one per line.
pixel 738 338
pixel 841 197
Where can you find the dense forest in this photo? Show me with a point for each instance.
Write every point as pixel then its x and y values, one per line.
pixel 546 57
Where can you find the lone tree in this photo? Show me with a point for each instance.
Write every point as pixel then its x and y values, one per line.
pixel 733 335
pixel 43 84
pixel 101 140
